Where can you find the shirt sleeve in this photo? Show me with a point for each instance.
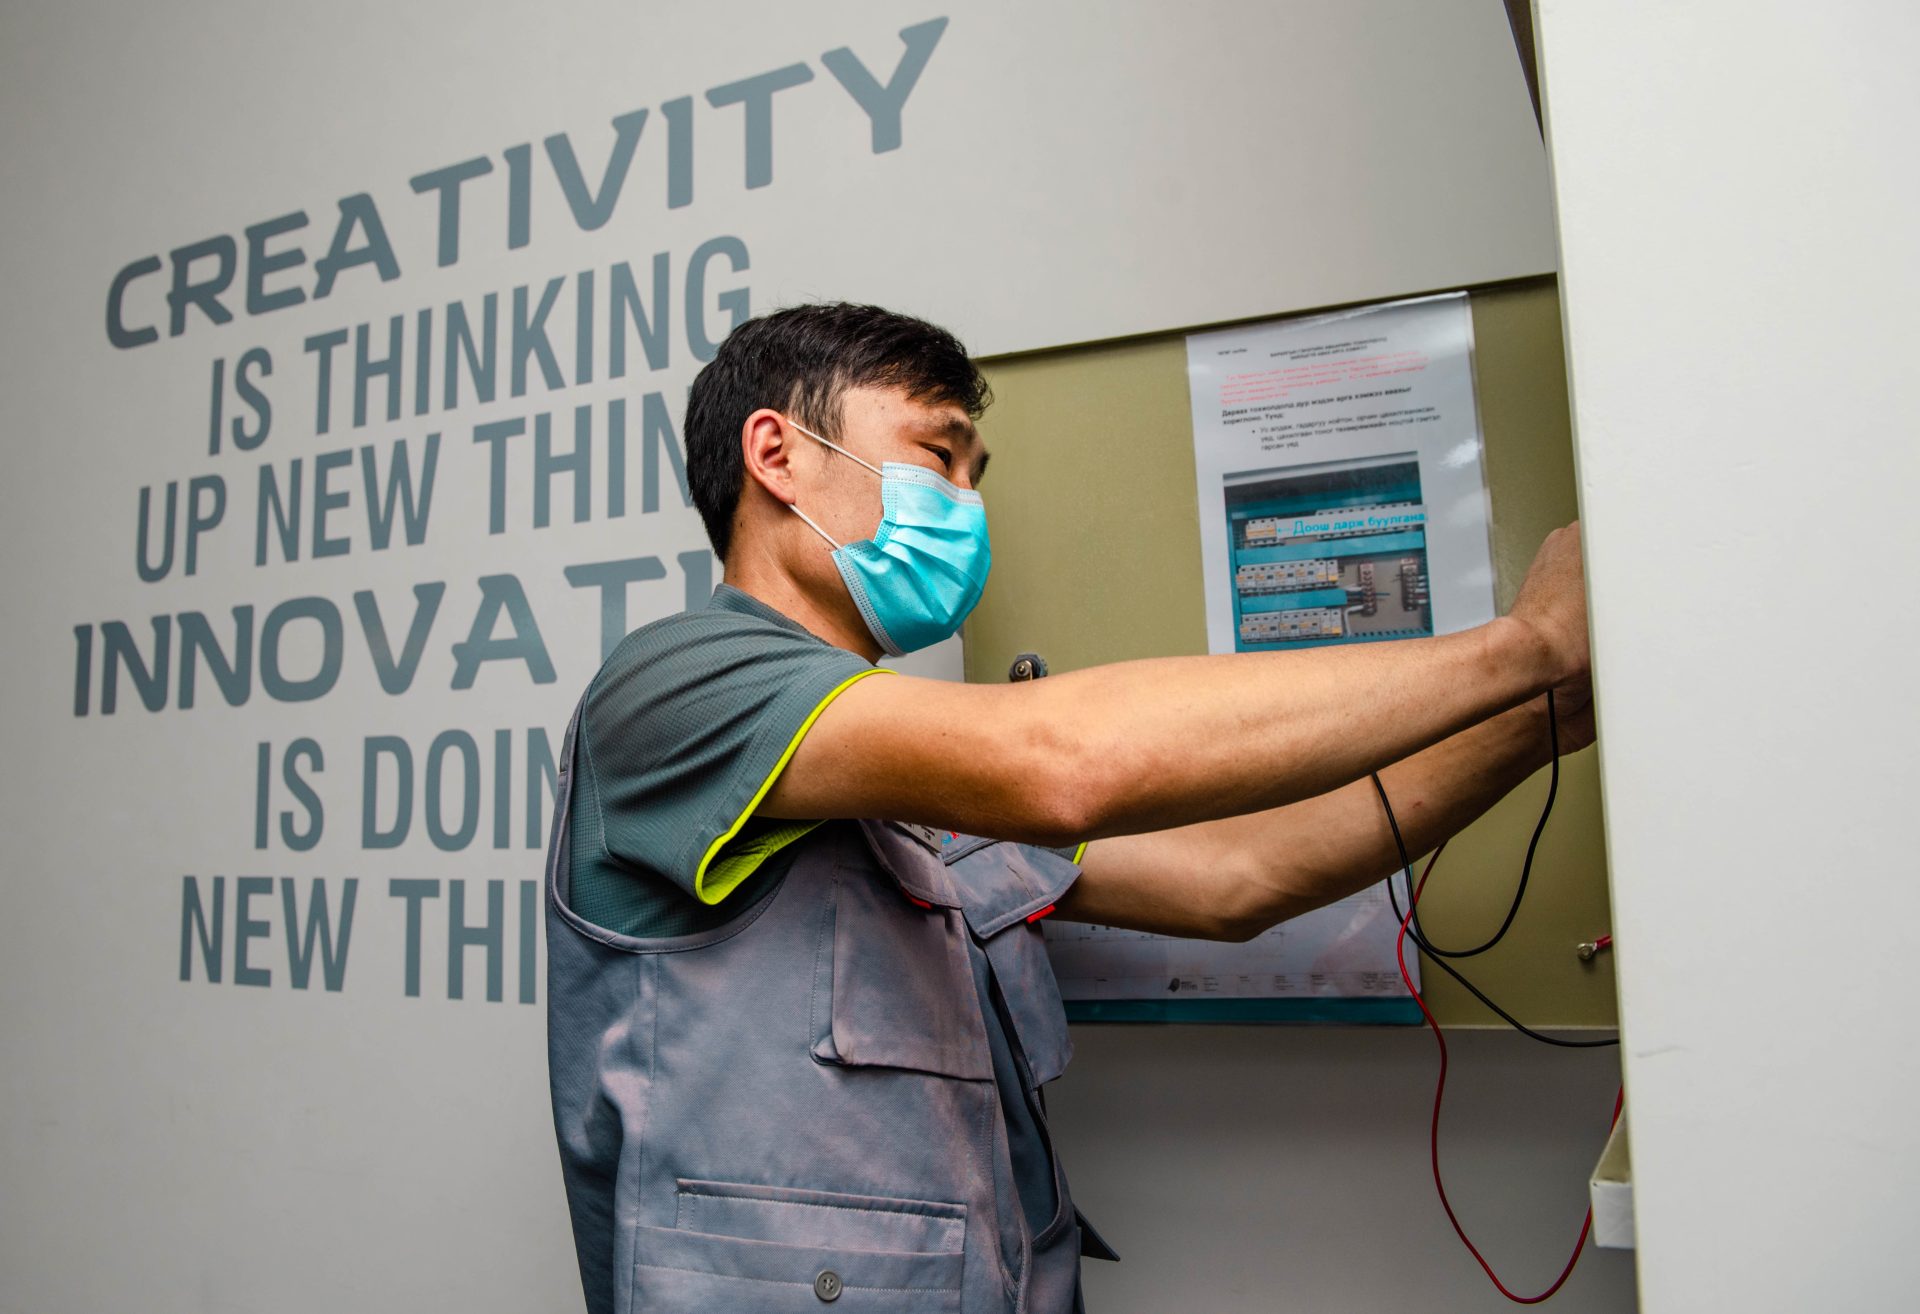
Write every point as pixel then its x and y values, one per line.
pixel 1071 852
pixel 687 726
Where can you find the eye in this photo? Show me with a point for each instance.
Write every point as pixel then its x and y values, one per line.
pixel 946 457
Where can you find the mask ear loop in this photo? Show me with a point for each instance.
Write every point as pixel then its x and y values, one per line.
pixel 810 525
pixel 844 452
pixel 836 447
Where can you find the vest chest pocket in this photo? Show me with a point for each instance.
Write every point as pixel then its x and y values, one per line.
pixel 1000 890
pixel 891 984
pixel 1004 890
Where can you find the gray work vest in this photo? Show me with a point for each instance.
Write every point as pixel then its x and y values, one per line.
pixel 796 1111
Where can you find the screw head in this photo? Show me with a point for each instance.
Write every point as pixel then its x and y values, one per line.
pixel 1027 666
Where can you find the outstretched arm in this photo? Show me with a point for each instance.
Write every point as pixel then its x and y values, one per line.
pixel 1152 745
pixel 1233 878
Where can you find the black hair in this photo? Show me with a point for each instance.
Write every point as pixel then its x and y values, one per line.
pixel 802 360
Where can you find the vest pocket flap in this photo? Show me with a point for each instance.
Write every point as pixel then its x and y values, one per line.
pixel 820 1218
pixel 1000 884
pixel 892 987
pixel 683 1270
pixel 907 853
pixel 1032 997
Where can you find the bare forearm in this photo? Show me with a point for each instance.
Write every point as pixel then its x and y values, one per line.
pixel 1172 742
pixel 1232 878
pixel 1337 844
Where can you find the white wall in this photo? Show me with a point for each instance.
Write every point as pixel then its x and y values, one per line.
pixel 1738 211
pixel 1247 1170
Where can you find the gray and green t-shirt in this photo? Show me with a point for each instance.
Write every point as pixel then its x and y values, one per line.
pixel 686 727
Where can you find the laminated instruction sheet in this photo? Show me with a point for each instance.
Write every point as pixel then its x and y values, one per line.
pixel 1342 500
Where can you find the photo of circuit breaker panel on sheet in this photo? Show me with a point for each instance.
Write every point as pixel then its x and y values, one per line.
pixel 1330 553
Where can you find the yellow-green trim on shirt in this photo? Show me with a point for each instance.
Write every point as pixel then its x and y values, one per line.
pixel 714 881
pixel 1080 852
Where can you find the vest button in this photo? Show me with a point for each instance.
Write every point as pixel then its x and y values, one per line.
pixel 827 1285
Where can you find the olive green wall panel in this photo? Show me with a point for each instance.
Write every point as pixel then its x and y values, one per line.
pixel 1097 559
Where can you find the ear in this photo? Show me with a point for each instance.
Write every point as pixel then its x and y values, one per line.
pixel 767 444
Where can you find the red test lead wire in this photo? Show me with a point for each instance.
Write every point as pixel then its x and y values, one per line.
pixel 1439 1091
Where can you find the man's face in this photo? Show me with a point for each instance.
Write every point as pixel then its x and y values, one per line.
pixel 842 496
pixel 880 425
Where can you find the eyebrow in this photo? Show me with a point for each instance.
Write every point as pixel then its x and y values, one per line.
pixel 963 431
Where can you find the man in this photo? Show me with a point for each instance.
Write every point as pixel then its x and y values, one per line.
pixel 800 1010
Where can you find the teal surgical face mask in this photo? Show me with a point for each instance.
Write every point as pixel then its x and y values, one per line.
pixel 923 570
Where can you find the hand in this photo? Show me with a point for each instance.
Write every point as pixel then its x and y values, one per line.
pixel 1553 604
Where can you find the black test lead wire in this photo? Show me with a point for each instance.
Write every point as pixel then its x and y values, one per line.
pixel 1438 956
